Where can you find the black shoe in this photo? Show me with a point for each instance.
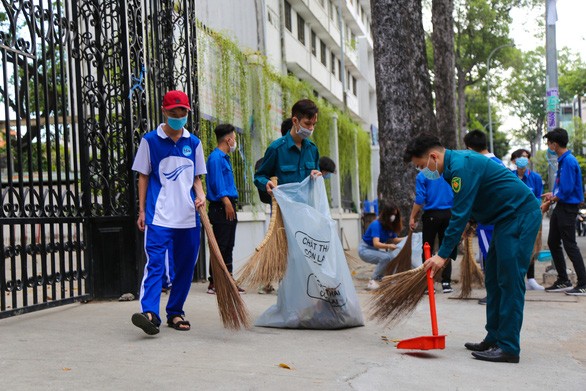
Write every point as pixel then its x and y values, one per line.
pixel 479 347
pixel 579 290
pixel 496 354
pixel 482 301
pixel 560 286
pixel 446 287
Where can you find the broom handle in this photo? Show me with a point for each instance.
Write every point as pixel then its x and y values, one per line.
pixel 431 291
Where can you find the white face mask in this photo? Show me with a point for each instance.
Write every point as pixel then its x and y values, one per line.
pixel 304 132
pixel 392 218
pixel 233 147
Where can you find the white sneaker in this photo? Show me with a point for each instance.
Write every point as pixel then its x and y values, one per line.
pixel 533 285
pixel 372 285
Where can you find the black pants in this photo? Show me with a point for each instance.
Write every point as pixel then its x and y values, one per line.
pixel 224 231
pixel 435 223
pixel 562 229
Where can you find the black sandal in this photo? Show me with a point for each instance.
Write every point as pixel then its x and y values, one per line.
pixel 177 325
pixel 142 321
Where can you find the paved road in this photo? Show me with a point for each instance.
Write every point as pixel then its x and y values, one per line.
pixel 95 347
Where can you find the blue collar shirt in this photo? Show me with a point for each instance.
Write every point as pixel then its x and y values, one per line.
pixel 220 178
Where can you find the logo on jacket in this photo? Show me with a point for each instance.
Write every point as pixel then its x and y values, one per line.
pixel 456 184
pixel 187 150
pixel 173 175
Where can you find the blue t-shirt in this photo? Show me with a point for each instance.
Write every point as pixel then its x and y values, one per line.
pixel 376 230
pixel 568 182
pixel 433 194
pixel 220 178
pixel 533 182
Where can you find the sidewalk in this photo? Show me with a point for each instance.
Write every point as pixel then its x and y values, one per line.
pixel 94 346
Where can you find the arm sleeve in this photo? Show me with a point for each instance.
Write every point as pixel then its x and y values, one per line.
pixel 461 210
pixel 215 178
pixel 142 161
pixel 200 163
pixel 420 190
pixel 266 169
pixel 538 186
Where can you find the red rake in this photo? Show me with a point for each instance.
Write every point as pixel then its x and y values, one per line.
pixel 434 341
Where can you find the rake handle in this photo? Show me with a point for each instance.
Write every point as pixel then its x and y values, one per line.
pixel 430 291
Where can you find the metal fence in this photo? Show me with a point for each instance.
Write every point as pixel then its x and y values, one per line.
pixel 80 83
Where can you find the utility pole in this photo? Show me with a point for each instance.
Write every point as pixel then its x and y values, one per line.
pixel 551 82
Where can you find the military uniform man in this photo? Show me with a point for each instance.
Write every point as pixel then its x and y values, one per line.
pixel 491 194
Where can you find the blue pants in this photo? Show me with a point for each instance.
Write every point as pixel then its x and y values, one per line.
pixel 184 243
pixel 381 259
pixel 508 260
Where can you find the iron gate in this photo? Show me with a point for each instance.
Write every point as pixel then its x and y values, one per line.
pixel 80 83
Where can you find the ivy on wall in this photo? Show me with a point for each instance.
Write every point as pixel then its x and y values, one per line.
pixel 243 87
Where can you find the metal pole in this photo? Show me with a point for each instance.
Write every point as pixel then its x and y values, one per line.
pixel 488 92
pixel 342 63
pixel 551 82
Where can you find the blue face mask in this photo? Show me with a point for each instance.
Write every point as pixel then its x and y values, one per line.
pixel 551 151
pixel 521 162
pixel 176 123
pixel 328 175
pixel 429 174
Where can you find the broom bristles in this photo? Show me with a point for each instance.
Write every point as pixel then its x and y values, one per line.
pixel 402 262
pixel 269 261
pixel 232 309
pixel 398 296
pixel 538 244
pixel 470 272
pixel 353 262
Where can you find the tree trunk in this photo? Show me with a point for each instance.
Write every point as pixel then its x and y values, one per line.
pixel 445 80
pixel 404 101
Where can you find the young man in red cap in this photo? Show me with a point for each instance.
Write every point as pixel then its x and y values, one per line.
pixel 169 162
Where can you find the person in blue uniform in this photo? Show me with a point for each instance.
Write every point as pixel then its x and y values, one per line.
pixel 435 198
pixel 490 194
pixel 521 158
pixel 379 242
pixel 567 194
pixel 223 196
pixel 293 157
pixel 169 162
pixel 475 140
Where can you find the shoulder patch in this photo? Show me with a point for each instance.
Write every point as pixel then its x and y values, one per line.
pixel 456 184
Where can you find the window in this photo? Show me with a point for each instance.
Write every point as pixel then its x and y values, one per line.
pixel 323 52
pixel 288 21
pixel 339 70
pixel 333 63
pixel 354 85
pixel 313 43
pixel 331 10
pixel 301 29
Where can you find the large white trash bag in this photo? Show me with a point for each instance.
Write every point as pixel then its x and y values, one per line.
pixel 317 291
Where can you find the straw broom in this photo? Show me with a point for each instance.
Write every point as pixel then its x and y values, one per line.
pixel 470 273
pixel 232 309
pixel 269 261
pixel 398 296
pixel 402 262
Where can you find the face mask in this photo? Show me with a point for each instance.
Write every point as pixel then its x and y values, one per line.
pixel 431 175
pixel 328 175
pixel 551 151
pixel 392 218
pixel 304 132
pixel 521 162
pixel 233 147
pixel 176 123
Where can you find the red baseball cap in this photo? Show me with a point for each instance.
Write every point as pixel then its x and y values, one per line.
pixel 173 99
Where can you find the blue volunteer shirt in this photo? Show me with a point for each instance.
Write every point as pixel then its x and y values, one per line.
pixel 483 190
pixel 568 181
pixel 287 162
pixel 376 230
pixel 171 168
pixel 533 181
pixel 220 178
pixel 433 194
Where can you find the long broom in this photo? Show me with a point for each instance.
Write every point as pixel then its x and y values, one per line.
pixel 269 261
pixel 470 272
pixel 232 309
pixel 402 262
pixel 398 295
